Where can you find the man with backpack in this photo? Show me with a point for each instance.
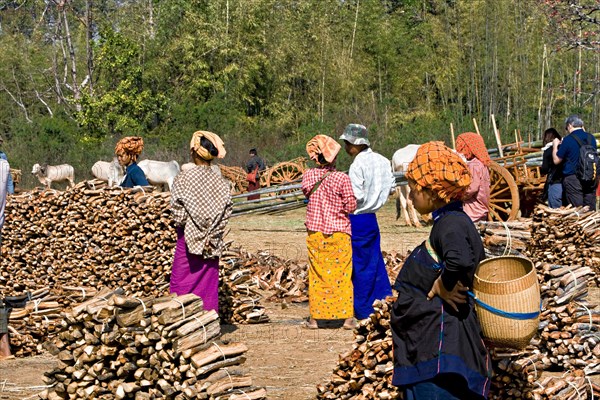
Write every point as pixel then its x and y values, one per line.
pixel 578 154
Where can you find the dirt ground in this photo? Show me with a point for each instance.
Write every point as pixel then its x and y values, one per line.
pixel 283 357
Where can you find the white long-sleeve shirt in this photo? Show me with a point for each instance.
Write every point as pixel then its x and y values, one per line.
pixel 372 180
pixel 4 171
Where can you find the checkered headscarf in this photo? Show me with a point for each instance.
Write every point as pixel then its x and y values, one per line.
pixel 438 168
pixel 471 144
pixel 322 144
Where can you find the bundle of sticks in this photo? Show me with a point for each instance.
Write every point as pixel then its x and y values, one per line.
pixel 285 279
pixel 566 236
pixel 128 347
pixel 365 372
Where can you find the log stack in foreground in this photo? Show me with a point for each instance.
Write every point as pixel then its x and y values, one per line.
pixel 70 243
pixel 114 346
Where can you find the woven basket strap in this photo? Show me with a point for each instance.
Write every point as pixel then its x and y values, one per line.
pixel 510 315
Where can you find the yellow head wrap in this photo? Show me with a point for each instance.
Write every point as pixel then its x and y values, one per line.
pixel 196 146
pixel 438 168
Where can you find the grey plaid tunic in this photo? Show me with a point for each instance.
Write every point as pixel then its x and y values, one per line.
pixel 207 198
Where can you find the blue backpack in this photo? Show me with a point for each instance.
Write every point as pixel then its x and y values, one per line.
pixel 589 162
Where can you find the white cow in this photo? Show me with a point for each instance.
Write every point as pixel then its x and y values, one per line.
pixel 111 172
pixel 400 161
pixel 47 174
pixel 160 172
pixel 190 165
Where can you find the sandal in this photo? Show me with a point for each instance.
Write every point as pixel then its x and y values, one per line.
pixel 11 357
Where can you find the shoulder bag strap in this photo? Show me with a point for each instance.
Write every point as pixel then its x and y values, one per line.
pixel 314 189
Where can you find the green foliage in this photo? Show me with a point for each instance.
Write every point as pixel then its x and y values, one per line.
pixel 120 104
pixel 273 73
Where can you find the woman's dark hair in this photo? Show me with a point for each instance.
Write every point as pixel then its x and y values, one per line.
pixel 321 159
pixel 208 145
pixel 550 134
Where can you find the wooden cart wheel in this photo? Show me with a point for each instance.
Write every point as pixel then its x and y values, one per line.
pixel 283 173
pixel 504 194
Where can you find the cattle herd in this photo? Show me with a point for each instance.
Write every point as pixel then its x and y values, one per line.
pixel 157 172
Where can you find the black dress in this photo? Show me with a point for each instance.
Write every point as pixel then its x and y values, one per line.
pixel 432 342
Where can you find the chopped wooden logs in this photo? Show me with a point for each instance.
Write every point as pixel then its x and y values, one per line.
pixel 566 236
pixel 116 346
pixel 72 243
pixel 365 372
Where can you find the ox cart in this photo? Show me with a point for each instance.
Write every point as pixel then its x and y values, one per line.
pixel 282 173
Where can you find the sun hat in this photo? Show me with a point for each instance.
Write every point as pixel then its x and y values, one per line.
pixel 355 134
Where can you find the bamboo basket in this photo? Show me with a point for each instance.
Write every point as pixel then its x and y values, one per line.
pixel 509 284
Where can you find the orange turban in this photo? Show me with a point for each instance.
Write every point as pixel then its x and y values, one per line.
pixel 323 144
pixel 438 168
pixel 196 146
pixel 471 145
pixel 132 145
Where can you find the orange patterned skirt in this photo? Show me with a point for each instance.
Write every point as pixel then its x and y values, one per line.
pixel 330 294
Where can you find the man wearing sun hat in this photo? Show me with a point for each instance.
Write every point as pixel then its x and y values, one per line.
pixel 372 180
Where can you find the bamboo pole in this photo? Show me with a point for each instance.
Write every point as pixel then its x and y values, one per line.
pixel 476 126
pixel 497 134
pixel 452 136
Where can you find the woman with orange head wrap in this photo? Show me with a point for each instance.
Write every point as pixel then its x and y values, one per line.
pixel 477 197
pixel 128 150
pixel 201 206
pixel 330 200
pixel 438 349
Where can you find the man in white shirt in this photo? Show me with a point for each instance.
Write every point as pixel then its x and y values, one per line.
pixel 372 180
pixel 4 343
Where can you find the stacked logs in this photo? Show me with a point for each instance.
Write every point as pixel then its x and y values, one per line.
pixel 286 279
pixel 114 346
pixel 70 243
pixel 511 237
pixel 366 371
pixel 566 236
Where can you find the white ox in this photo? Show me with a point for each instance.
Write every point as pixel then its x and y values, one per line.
pixel 404 205
pixel 110 172
pixel 47 174
pixel 160 172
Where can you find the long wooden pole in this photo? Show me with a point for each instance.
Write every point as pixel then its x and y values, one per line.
pixel 497 134
pixel 476 127
pixel 452 135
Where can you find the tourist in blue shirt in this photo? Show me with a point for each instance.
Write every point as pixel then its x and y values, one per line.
pixel 128 149
pixel 577 193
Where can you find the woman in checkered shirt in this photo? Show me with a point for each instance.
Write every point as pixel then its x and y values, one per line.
pixel 330 200
pixel 201 206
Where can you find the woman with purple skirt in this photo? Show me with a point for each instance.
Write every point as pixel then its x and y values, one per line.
pixel 201 206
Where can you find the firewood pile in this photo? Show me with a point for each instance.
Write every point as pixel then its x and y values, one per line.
pixel 285 279
pixel 568 340
pixel 365 372
pixel 68 244
pixel 505 238
pixel 567 236
pixel 115 346
pixel 393 264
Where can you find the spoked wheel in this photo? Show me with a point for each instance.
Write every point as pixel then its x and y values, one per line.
pixel 504 194
pixel 284 173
